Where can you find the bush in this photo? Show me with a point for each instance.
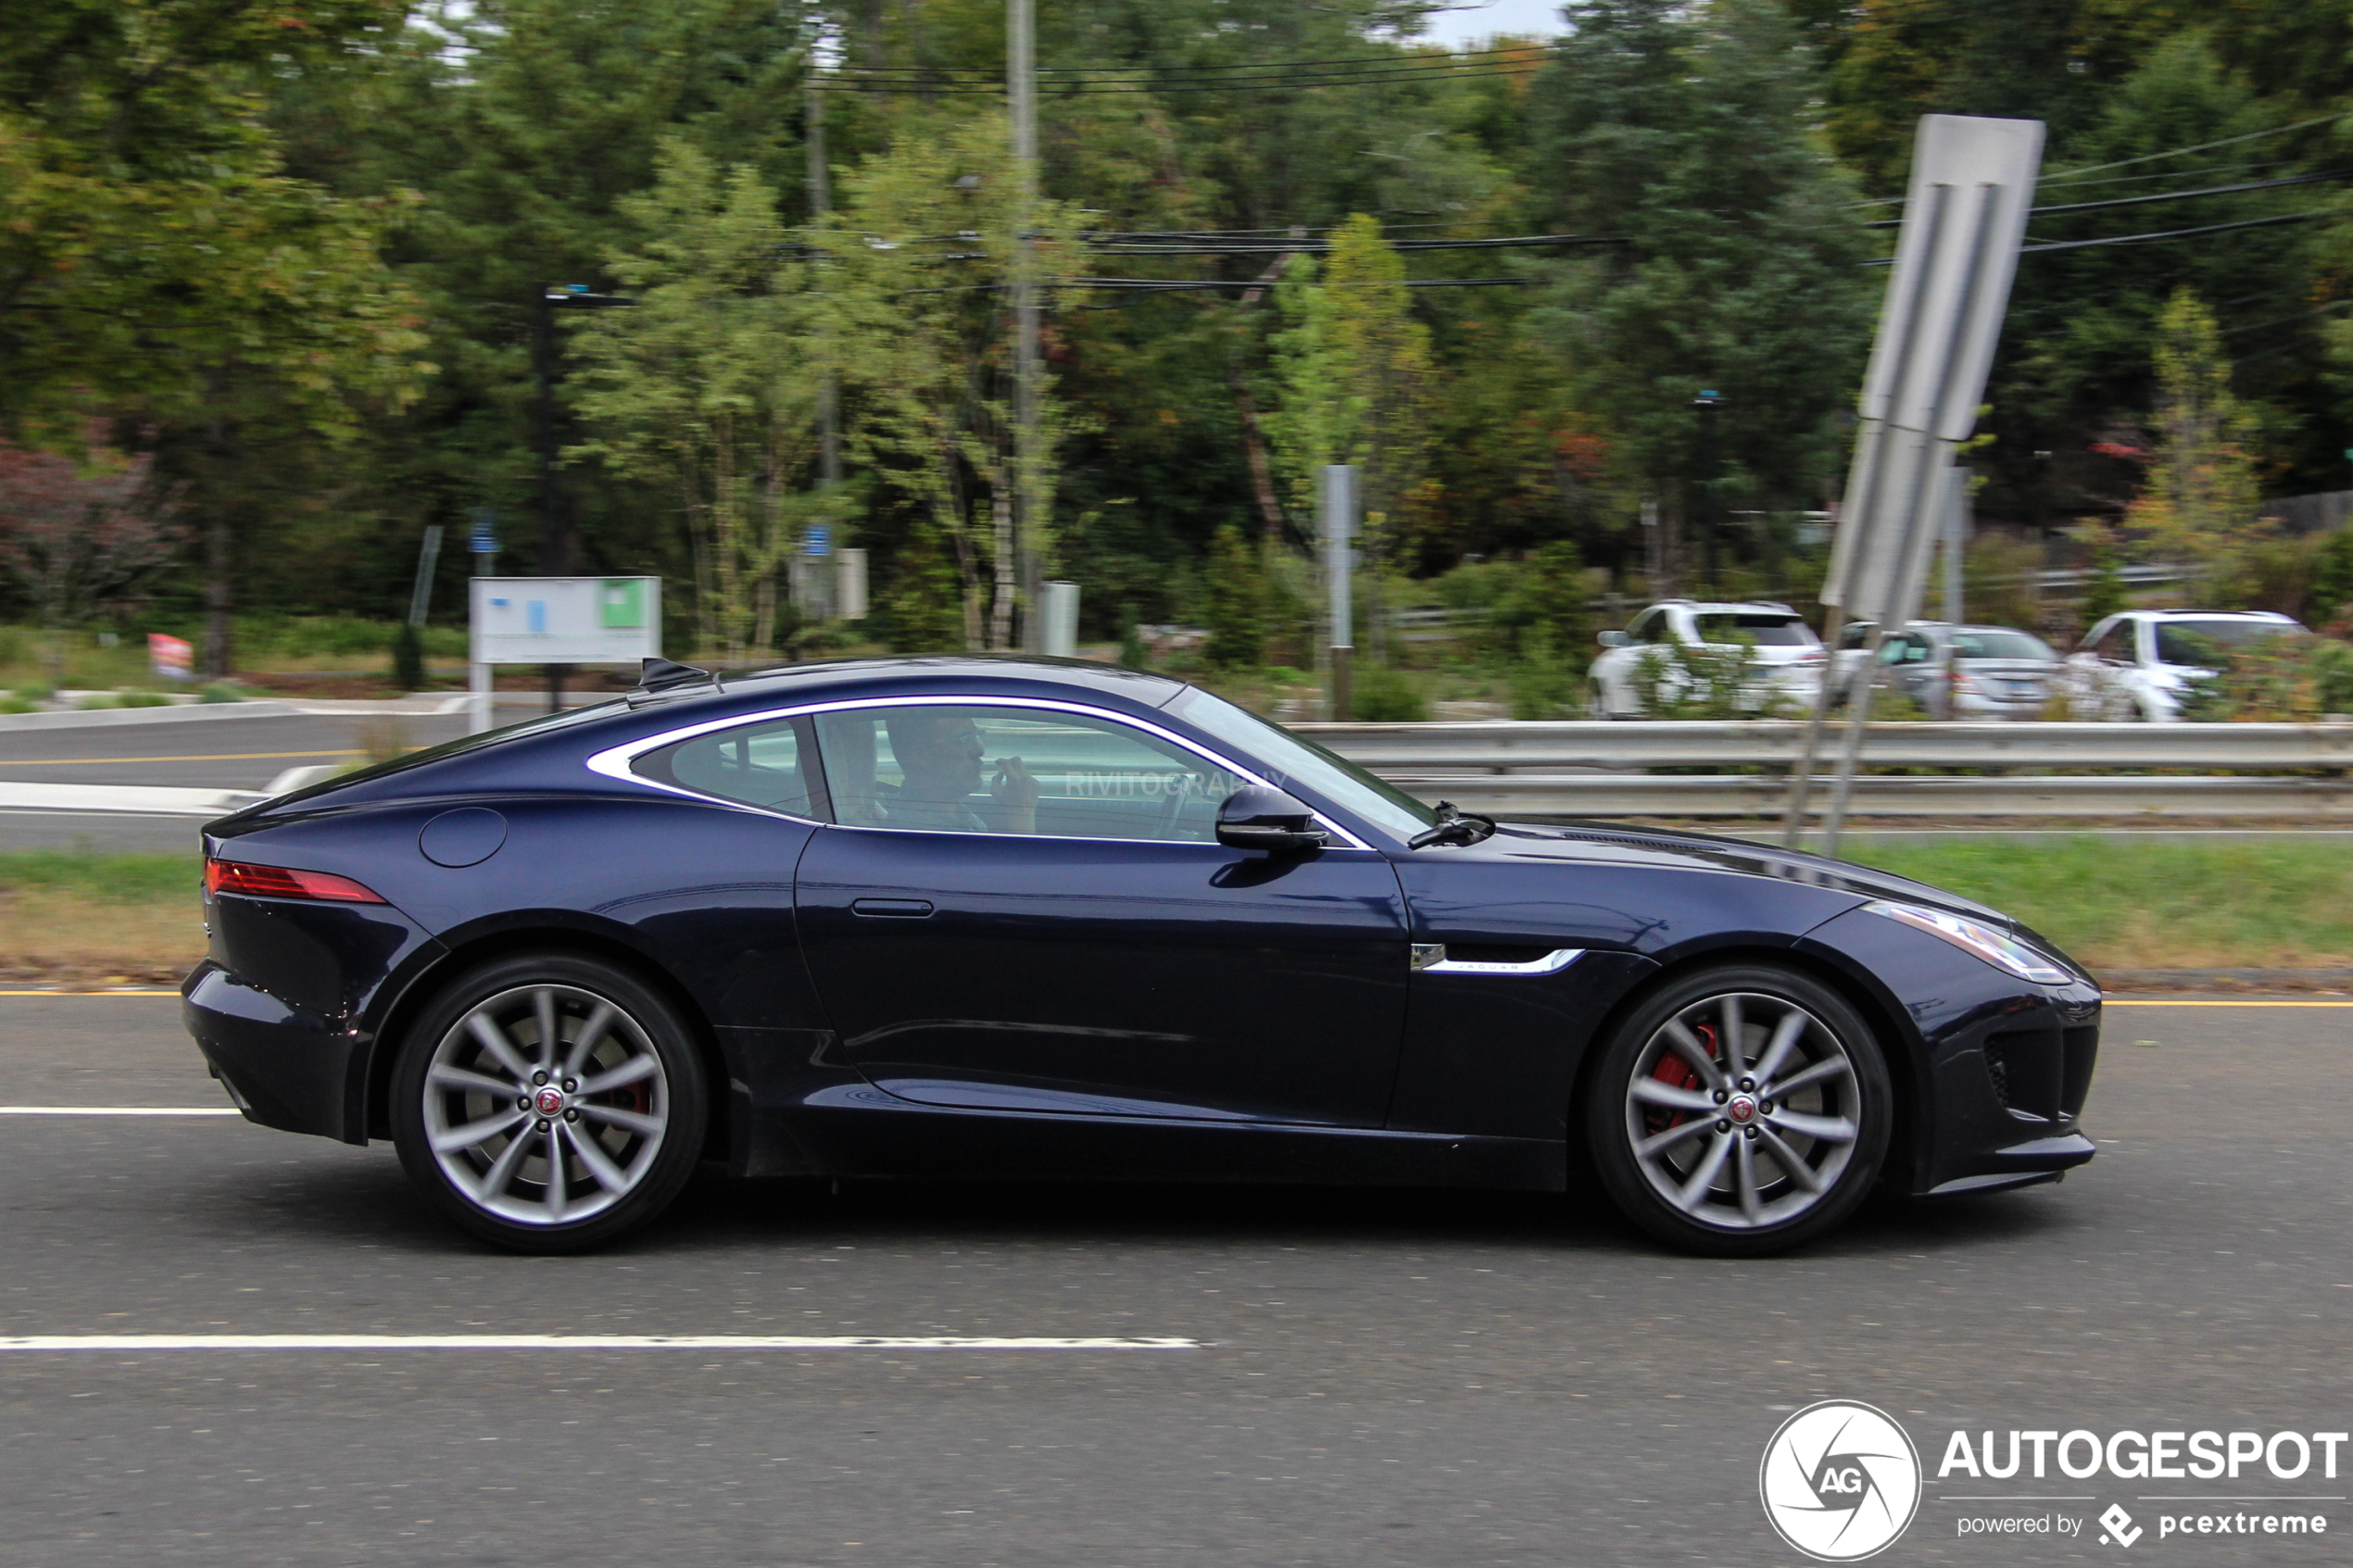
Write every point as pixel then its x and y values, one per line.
pixel 221 691
pixel 102 700
pixel 1387 696
pixel 11 703
pixel 142 699
pixel 1133 651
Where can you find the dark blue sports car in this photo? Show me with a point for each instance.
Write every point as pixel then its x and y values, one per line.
pixel 1045 918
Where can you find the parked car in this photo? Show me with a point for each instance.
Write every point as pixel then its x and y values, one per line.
pixel 1789 661
pixel 1957 672
pixel 971 917
pixel 2143 665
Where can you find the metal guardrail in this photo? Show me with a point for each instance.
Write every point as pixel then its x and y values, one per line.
pixel 1521 767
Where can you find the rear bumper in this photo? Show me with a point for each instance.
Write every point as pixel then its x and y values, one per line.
pixel 283 1067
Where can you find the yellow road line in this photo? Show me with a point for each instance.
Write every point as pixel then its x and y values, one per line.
pixel 88 992
pixel 216 757
pixel 2131 1002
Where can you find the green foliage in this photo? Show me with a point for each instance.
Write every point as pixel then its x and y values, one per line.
pixel 1237 616
pixel 2104 592
pixel 221 691
pixel 107 878
pixel 919 611
pixel 407 659
pixel 2332 581
pixel 12 703
pixel 1134 652
pixel 2292 678
pixel 1379 695
pixel 1712 681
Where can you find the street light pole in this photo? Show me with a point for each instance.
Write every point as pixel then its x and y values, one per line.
pixel 1021 62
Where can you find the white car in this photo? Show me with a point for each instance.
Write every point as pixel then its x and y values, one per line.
pixel 1956 672
pixel 2142 665
pixel 1789 656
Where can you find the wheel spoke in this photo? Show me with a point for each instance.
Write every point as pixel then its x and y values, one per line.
pixel 1744 1179
pixel 1694 1189
pixel 1830 1067
pixel 610 1176
pixel 555 1194
pixel 1734 1060
pixel 1786 1033
pixel 1658 1142
pixel 543 1002
pixel 644 1126
pixel 458 1138
pixel 494 1040
pixel 1650 1091
pixel 502 1170
pixel 590 1033
pixel 458 1078
pixel 1827 1129
pixel 1685 1044
pixel 1786 1157
pixel 629 1071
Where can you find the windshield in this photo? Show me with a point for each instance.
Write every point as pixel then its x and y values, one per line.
pixel 1764 631
pixel 1289 758
pixel 2000 645
pixel 2206 644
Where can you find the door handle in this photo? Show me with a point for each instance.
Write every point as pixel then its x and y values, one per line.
pixel 905 909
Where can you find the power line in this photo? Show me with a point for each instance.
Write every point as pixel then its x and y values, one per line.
pixel 2321 177
pixel 946 72
pixel 1144 89
pixel 2181 234
pixel 1318 247
pixel 2066 175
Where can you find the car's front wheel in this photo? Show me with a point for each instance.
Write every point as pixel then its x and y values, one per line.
pixel 548 1102
pixel 1740 1110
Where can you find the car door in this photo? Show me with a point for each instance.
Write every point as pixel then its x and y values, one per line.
pixel 1023 907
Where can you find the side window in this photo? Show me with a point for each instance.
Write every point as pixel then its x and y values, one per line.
pixel 758 764
pixel 974 769
pixel 2119 644
pixel 1645 628
pixel 1856 634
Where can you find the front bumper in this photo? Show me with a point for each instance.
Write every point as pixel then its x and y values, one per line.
pixel 283 1067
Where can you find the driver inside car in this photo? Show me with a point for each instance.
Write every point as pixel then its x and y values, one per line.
pixel 940 763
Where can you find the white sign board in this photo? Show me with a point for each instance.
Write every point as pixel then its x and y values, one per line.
pixel 1973 183
pixel 566 619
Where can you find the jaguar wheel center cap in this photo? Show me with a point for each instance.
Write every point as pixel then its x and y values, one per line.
pixel 550 1101
pixel 1740 1110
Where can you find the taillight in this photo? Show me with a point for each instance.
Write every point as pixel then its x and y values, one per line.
pixel 283 882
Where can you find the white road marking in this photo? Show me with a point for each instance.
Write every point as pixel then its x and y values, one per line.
pixel 119 1110
pixel 128 1342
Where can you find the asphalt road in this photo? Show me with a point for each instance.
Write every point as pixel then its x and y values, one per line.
pixel 231 753
pixel 1381 1378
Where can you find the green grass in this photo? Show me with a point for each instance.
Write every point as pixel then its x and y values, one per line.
pixel 2129 903
pixel 106 879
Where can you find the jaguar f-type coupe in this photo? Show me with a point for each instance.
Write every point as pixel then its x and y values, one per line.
pixel 1044 919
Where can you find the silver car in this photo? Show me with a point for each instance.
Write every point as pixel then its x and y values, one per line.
pixel 1960 672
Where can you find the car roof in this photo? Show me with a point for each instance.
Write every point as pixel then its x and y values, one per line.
pixel 945 669
pixel 2209 615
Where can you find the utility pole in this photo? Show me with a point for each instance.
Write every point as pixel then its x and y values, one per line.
pixel 820 202
pixel 1021 71
pixel 1707 403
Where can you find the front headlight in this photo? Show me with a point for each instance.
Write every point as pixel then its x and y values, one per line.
pixel 1999 948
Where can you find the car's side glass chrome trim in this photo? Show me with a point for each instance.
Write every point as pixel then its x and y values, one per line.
pixel 614 762
pixel 1429 957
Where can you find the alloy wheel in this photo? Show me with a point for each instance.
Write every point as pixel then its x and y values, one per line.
pixel 546 1105
pixel 1744 1110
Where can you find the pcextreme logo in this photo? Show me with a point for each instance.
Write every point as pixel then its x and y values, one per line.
pixel 1840 1481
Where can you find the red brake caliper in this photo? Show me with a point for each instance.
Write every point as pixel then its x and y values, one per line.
pixel 1673 1069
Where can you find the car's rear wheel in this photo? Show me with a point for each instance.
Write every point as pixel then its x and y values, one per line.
pixel 548 1102
pixel 1740 1111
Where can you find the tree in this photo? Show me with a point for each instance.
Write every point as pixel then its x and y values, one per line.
pixel 2198 502
pixel 1691 135
pixel 76 534
pixel 711 383
pixel 914 285
pixel 1237 604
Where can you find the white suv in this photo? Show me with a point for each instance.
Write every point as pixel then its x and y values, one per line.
pixel 2143 664
pixel 1789 656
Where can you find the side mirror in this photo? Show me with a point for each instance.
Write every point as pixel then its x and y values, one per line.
pixel 1615 640
pixel 1255 817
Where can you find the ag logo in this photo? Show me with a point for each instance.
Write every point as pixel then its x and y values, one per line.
pixel 1839 1481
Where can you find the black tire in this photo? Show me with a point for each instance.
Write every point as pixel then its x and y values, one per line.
pixel 625 1149
pixel 1649 1142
